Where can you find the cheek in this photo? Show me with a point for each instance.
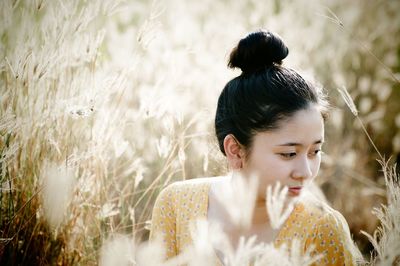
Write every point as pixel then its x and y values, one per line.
pixel 315 166
pixel 270 172
pixel 270 169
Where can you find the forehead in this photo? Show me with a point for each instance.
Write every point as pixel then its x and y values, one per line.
pixel 304 127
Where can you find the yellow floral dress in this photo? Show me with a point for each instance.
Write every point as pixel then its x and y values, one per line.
pixel 183 202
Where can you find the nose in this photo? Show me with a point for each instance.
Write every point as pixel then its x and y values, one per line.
pixel 302 170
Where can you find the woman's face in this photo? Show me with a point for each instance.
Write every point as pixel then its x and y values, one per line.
pixel 290 154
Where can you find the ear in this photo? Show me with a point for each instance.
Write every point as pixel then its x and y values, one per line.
pixel 234 152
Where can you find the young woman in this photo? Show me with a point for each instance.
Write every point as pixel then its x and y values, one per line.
pixel 269 123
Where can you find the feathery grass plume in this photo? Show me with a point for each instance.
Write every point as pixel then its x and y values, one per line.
pixel 273 257
pixel 210 241
pixel 239 199
pixel 335 19
pixel 57 191
pixel 245 253
pixel 250 252
pixel 299 257
pixel 148 31
pixel 205 236
pixel 151 254
pixel 163 146
pixel 108 210
pixel 350 103
pixel 284 256
pixel 122 250
pixel 278 206
pixel 386 238
pixel 348 100
pixel 118 250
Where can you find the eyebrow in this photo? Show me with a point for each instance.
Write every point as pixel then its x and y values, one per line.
pixel 299 144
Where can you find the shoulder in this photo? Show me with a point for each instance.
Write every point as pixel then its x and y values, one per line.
pixel 189 184
pixel 330 234
pixel 194 182
pixel 186 188
pixel 324 219
pixel 324 215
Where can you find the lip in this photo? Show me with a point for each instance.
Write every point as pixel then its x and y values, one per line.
pixel 295 191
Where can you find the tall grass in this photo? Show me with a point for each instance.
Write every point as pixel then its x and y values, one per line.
pixel 103 103
pixel 386 238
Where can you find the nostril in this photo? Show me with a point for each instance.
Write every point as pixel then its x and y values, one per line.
pixel 298 177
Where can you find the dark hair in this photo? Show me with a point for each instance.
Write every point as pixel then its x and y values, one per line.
pixel 265 94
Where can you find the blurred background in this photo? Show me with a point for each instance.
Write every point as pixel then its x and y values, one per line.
pixel 104 103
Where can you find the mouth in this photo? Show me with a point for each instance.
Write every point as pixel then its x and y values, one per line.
pixel 295 191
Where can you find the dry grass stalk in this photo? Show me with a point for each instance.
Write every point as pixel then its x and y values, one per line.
pixel 386 238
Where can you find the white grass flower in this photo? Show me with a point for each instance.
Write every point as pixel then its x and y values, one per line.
pixel 299 257
pixel 8 122
pixel 277 207
pixel 350 103
pixel 273 257
pixel 57 192
pixel 108 210
pixel 386 238
pixel 151 27
pixel 201 252
pixel 246 252
pixel 163 146
pixel 139 175
pixel 151 253
pixel 9 153
pixel 239 199
pixel 168 124
pixel 209 241
pixel 348 100
pixel 120 145
pixel 285 256
pixel 119 250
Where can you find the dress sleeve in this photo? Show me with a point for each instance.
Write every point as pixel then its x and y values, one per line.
pixel 331 239
pixel 163 221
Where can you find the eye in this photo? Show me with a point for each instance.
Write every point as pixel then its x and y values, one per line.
pixel 288 155
pixel 316 152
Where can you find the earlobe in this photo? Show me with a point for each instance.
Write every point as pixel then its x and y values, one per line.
pixel 234 152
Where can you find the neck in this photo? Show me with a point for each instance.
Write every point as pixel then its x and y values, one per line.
pixel 260 214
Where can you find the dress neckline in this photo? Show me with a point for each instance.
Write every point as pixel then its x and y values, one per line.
pixel 205 216
pixel 298 207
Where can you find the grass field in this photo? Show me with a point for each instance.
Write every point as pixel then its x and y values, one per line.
pixel 103 103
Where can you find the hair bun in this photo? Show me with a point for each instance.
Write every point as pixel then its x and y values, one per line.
pixel 257 50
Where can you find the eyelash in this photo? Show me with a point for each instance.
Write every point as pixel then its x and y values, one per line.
pixel 288 155
pixel 293 154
